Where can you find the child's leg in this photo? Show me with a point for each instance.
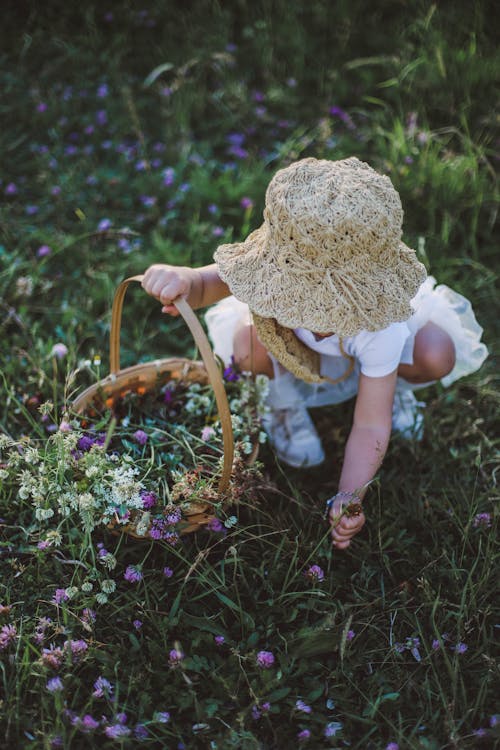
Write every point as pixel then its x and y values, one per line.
pixel 433 355
pixel 249 354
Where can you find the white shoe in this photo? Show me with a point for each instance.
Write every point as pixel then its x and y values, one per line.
pixel 293 436
pixel 407 418
pixel 288 425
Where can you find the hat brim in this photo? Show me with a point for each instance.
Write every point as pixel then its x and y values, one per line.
pixel 367 295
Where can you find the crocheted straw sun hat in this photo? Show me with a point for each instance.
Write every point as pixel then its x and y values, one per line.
pixel 328 256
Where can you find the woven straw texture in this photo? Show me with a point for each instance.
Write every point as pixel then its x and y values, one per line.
pixel 329 255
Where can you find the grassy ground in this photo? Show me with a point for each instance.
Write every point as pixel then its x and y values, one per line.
pixel 134 134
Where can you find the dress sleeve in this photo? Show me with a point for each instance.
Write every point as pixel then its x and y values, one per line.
pixel 379 352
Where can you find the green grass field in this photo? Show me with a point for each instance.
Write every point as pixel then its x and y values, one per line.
pixel 136 133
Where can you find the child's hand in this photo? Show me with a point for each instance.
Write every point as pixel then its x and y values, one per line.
pixel 346 518
pixel 167 283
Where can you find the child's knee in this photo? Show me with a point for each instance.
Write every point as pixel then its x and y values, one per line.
pixel 437 355
pixel 249 354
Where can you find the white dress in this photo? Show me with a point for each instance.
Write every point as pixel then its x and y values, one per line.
pixel 375 353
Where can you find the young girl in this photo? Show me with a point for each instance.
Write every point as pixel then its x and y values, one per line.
pixel 326 300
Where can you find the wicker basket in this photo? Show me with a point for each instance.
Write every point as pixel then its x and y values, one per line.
pixel 144 377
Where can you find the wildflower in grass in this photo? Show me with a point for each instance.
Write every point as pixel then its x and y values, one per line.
pixel 350 635
pixel 162 717
pixel 315 573
pixel 219 640
pixel 149 499
pixel 137 624
pixel 140 437
pixel 494 720
pixel 133 574
pixel 108 585
pixel 60 596
pixel 102 91
pixel 215 525
pixel 175 657
pixel 168 572
pixel 116 731
pixel 460 648
pixel 11 189
pixel 436 644
pixel 265 659
pixel 52 657
pixel 59 351
pixel 140 732
pixel 246 202
pixel 87 723
pixel 301 706
pixel 482 521
pixel 88 616
pixel 102 688
pixel 101 117
pixel 213 209
pixel 207 433
pixel 332 728
pixel 56 742
pixel 392 746
pixel 8 635
pixel 77 648
pixel 481 732
pixel 303 735
pixel 104 225
pixel 260 710
pixel 55 685
pixel 217 231
pixel 31 210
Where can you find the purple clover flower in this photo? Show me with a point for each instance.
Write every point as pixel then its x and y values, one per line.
pixel 60 596
pixel 350 635
pixel 460 648
pixel 246 202
pixel 303 735
pixel 315 573
pixel 140 437
pixel 219 640
pixel 175 657
pixel 59 351
pixel 8 634
pixel 332 728
pixel 215 525
pixel 230 373
pixel 265 659
pixel 88 723
pixel 302 706
pixel 133 574
pixel 55 684
pixel 168 572
pixel 43 251
pixel 116 731
pixel 482 521
pixel 149 499
pixel 102 688
pixel 137 624
pixel 392 746
pixel 104 225
pixel 162 717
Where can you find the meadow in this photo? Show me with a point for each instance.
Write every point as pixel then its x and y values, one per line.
pixel 135 133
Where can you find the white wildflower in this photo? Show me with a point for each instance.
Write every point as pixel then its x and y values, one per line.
pixel 42 514
pixel 108 585
pixel 87 587
pixel 101 598
pixel 71 592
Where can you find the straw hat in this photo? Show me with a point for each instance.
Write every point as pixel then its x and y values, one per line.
pixel 328 256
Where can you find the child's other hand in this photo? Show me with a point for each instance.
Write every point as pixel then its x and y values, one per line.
pixel 167 283
pixel 345 526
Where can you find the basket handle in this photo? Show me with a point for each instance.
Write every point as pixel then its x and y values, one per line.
pixel 207 355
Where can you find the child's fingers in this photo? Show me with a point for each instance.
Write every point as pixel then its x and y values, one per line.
pixel 170 310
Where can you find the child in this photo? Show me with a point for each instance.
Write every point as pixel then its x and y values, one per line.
pixel 329 303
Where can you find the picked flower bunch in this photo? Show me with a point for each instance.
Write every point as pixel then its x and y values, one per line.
pixel 144 463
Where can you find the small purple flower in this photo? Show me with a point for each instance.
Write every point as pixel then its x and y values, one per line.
pixel 140 732
pixel 55 190
pixel 60 596
pixel 175 657
pixel 408 160
pixel 88 723
pixel 217 231
pixel 392 746
pixel 301 706
pixel 168 572
pixel 103 90
pixel 246 202
pixel 215 525
pixel 102 688
pixel 104 225
pixel 162 717
pixel 212 209
pixel 168 175
pixel 435 644
pixel 207 433
pixel 265 659
pixel 133 574
pixel 332 728
pixel 11 189
pixel 54 685
pixel 8 634
pixel 149 499
pixel 41 107
pixel 494 720
pixel 140 437
pixel 43 251
pixel 460 648
pixel 303 735
pixel 350 635
pixel 137 624
pixel 231 374
pixel 482 520
pixel 121 717
pixel 59 351
pixel 481 732
pixel 88 616
pixel 116 731
pixel 315 573
pixel 31 210
pixel 101 117
pixel 77 648
pixel 219 639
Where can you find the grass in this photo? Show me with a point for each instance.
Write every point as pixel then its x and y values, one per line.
pixel 133 138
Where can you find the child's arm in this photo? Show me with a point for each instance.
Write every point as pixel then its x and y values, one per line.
pixel 200 286
pixel 364 452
